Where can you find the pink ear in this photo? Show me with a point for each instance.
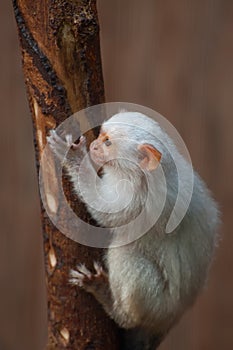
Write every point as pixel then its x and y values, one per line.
pixel 151 157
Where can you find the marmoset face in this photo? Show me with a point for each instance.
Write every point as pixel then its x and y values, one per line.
pixel 103 149
pixel 114 145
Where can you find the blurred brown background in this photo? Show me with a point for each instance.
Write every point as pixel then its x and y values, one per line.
pixel 173 56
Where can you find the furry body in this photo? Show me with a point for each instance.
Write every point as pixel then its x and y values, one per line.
pixel 152 280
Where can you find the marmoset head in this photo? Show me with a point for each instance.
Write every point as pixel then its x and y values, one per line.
pixel 121 141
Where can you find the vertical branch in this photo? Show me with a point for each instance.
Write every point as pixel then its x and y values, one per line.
pixel 62 68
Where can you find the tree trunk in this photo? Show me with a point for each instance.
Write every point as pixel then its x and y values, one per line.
pixel 62 67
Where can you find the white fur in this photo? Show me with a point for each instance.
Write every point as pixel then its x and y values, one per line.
pixel 155 278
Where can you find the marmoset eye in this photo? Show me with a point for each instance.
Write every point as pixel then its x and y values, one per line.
pixel 107 142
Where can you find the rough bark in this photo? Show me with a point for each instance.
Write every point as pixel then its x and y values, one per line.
pixel 62 67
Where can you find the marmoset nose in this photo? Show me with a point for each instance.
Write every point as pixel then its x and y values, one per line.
pixel 94 146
